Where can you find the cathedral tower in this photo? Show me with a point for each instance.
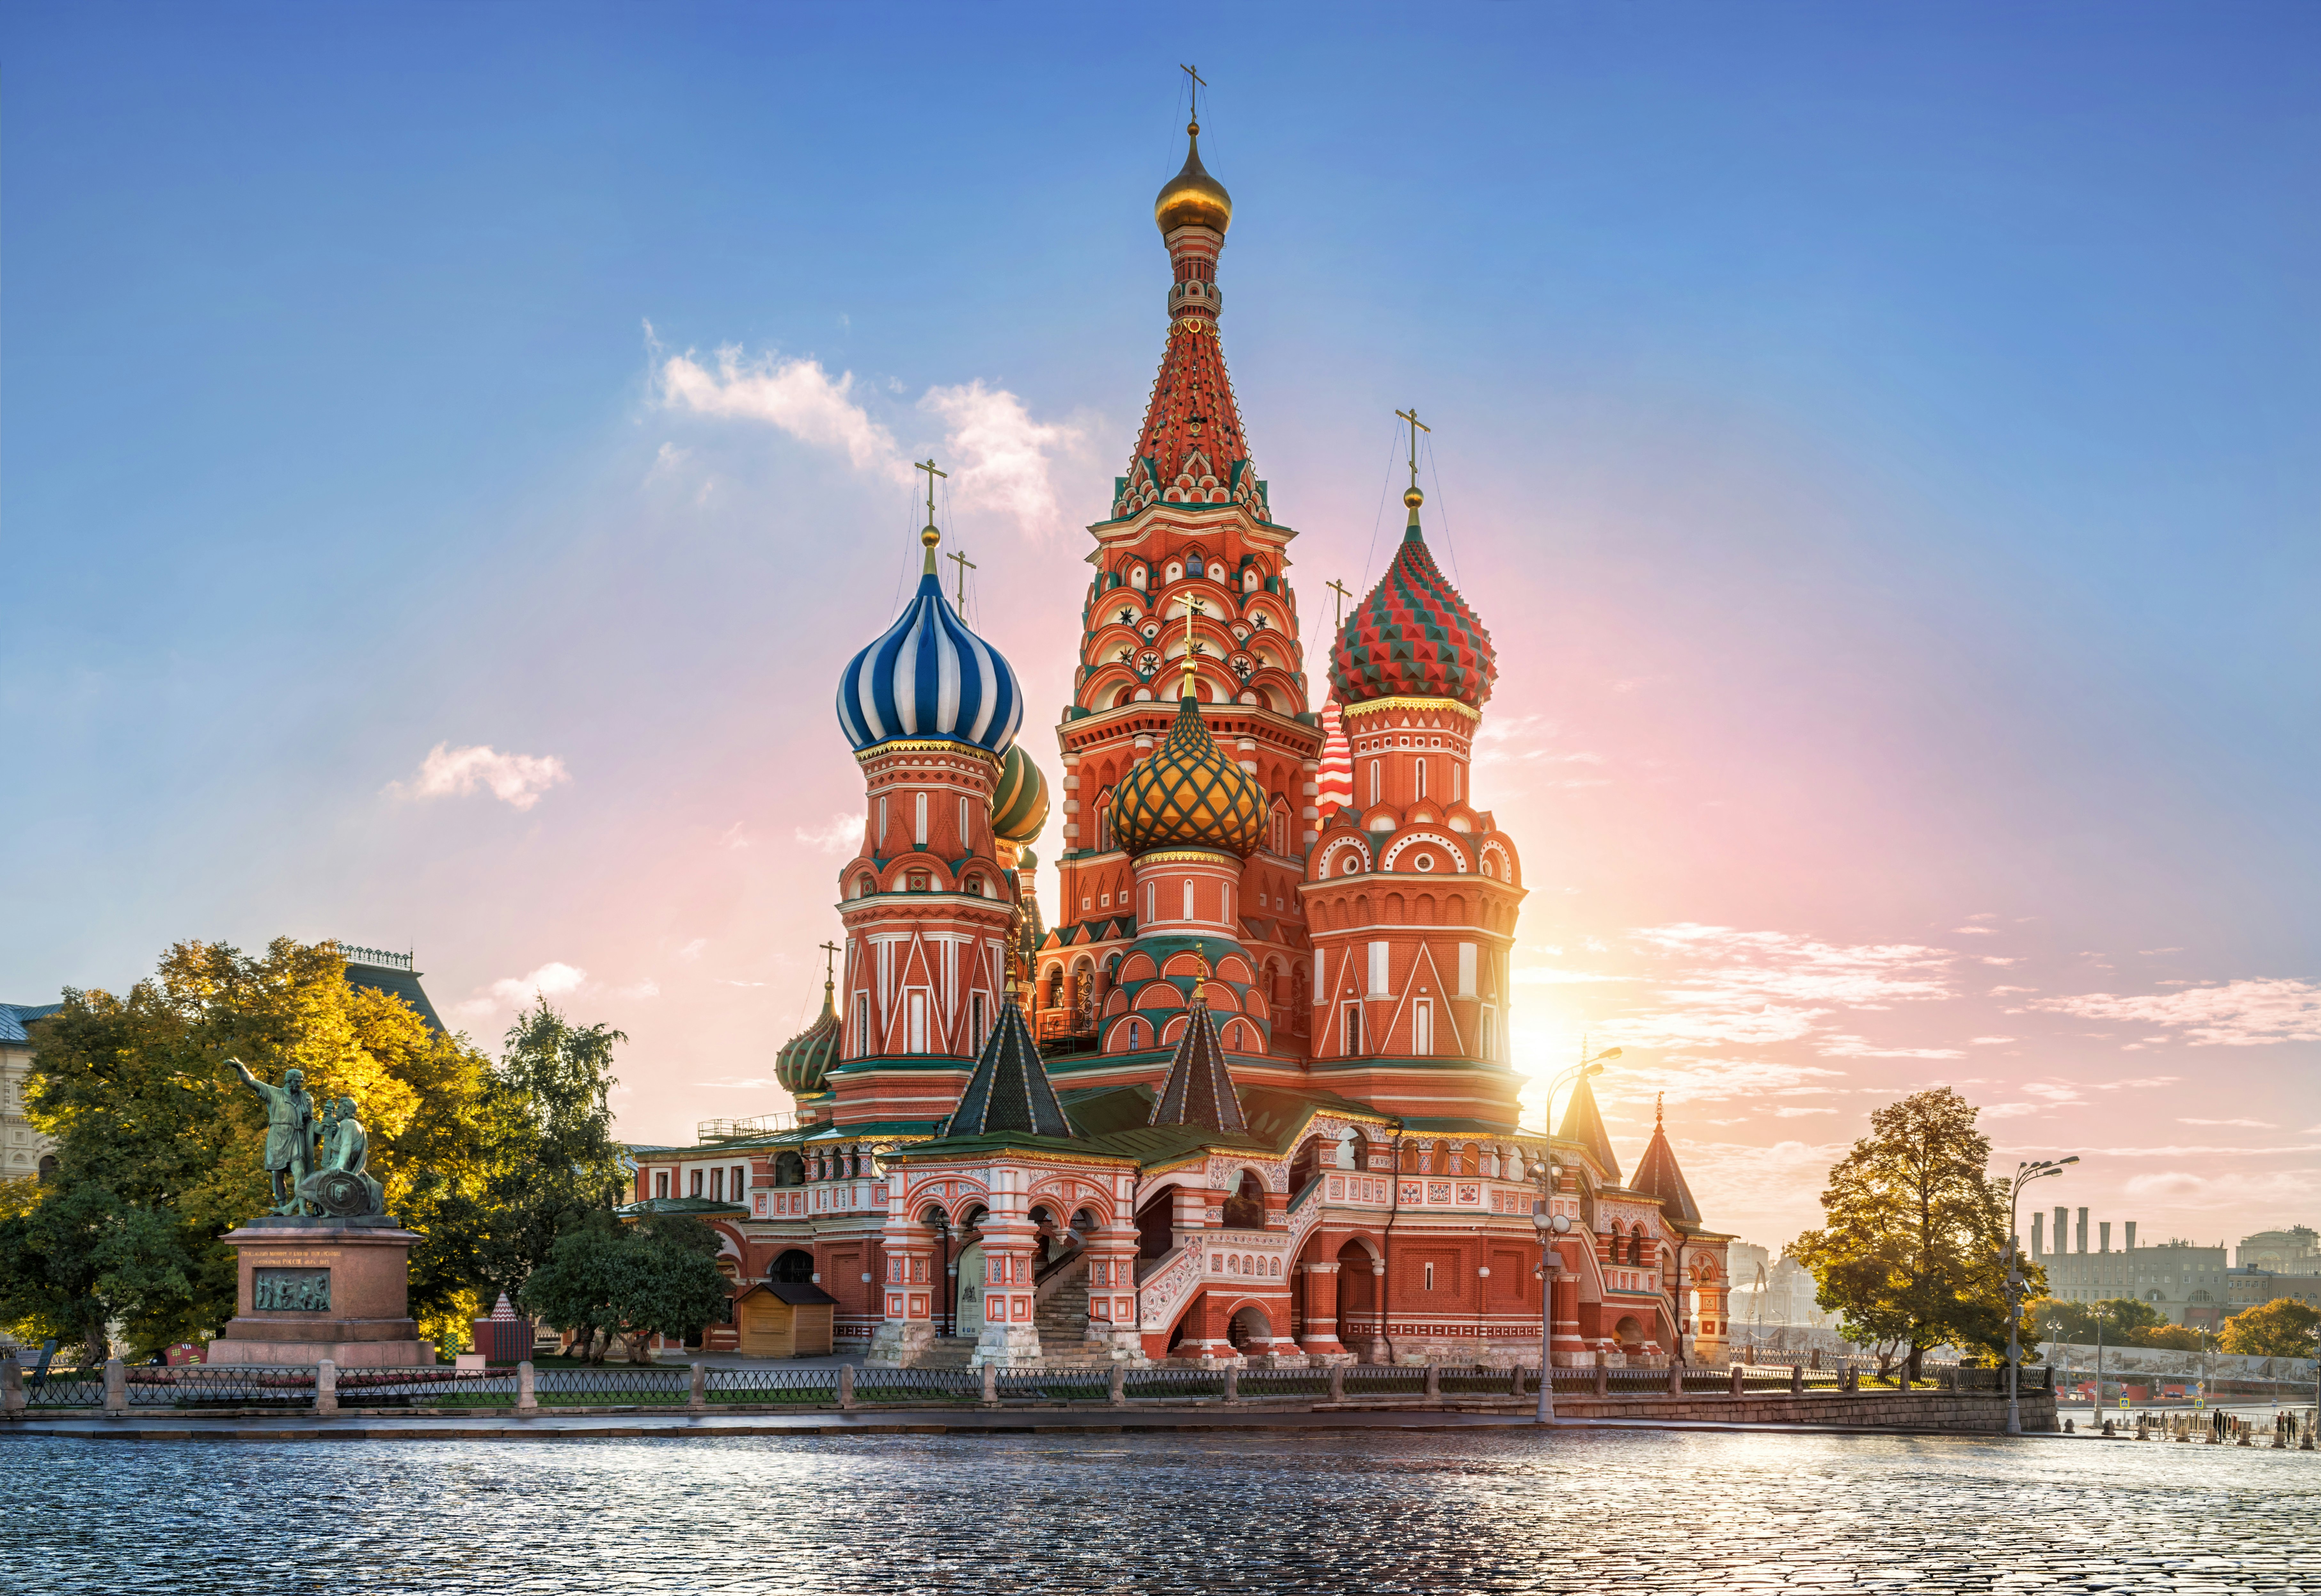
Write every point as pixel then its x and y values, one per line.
pixel 1411 892
pixel 1191 583
pixel 930 902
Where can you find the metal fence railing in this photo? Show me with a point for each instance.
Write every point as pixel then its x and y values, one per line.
pixel 237 1387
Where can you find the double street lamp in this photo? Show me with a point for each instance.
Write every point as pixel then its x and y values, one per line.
pixel 2025 1174
pixel 1551 1225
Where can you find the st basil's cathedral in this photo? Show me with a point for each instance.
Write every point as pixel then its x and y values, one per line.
pixel 1250 1097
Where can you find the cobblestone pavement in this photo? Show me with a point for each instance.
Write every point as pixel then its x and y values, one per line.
pixel 1576 1512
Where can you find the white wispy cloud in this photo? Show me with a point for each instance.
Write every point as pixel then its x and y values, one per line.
pixel 1713 1081
pixel 1757 988
pixel 2228 1014
pixel 1000 459
pixel 1856 1047
pixel 843 833
pixel 2236 1124
pixel 1989 1041
pixel 516 779
pixel 693 950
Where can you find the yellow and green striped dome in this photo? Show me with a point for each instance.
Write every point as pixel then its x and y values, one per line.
pixel 1019 804
pixel 1188 795
pixel 805 1058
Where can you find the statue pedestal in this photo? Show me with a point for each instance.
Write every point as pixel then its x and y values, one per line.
pixel 316 1289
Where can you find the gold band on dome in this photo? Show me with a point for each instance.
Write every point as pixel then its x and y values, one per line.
pixel 1189 856
pixel 1375 706
pixel 927 745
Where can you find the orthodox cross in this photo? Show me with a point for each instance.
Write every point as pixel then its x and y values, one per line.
pixel 1198 85
pixel 830 962
pixel 928 465
pixel 965 565
pixel 1193 606
pixel 1343 593
pixel 1416 427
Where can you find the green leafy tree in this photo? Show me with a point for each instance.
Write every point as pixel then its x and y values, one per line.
pixel 1913 1227
pixel 602 1279
pixel 2281 1329
pixel 2127 1322
pixel 552 1156
pixel 159 1147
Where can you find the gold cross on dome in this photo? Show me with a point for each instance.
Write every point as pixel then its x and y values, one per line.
pixel 1416 427
pixel 830 962
pixel 1343 593
pixel 1197 86
pixel 965 565
pixel 928 465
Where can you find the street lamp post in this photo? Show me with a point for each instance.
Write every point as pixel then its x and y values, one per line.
pixel 1551 1225
pixel 2025 1174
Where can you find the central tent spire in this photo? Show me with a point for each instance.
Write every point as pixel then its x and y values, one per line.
pixel 1191 448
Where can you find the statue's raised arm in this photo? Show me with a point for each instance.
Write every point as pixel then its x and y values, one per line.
pixel 289 1132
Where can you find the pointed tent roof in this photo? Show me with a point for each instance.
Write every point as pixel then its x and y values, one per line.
pixel 1659 1176
pixel 1583 1123
pixel 1199 1090
pixel 1010 1089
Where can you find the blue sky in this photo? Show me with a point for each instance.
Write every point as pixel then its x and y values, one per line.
pixel 1882 442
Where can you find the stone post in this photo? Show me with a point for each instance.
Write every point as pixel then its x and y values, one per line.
pixel 1852 1378
pixel 1337 1382
pixel 1676 1378
pixel 696 1388
pixel 1115 1391
pixel 1796 1380
pixel 527 1390
pixel 1738 1373
pixel 991 1385
pixel 1434 1382
pixel 326 1387
pixel 846 1385
pixel 1232 1383
pixel 1603 1376
pixel 116 1387
pixel 11 1387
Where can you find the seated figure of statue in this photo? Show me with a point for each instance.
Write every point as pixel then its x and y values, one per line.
pixel 343 1186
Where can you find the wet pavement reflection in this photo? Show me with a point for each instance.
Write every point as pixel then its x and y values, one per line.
pixel 1379 1515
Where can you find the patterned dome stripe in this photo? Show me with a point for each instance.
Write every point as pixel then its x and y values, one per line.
pixel 928 676
pixel 1413 636
pixel 1019 805
pixel 1188 795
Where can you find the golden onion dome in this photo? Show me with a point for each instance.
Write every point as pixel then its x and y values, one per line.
pixel 1193 199
pixel 1019 804
pixel 1188 795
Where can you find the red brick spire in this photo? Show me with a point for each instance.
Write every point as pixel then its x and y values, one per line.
pixel 1192 450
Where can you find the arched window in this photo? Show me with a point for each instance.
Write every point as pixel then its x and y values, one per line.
pixel 1104 817
pixel 1245 1208
pixel 792 1268
pixel 789 1170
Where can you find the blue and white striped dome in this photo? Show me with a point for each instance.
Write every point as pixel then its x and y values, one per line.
pixel 930 677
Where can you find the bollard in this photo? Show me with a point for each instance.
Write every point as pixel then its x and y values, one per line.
pixel 1852 1378
pixel 1116 1393
pixel 696 1388
pixel 11 1387
pixel 527 1390
pixel 1676 1378
pixel 846 1385
pixel 1796 1380
pixel 1738 1373
pixel 1517 1381
pixel 116 1387
pixel 326 1387
pixel 1603 1376
pixel 1337 1382
pixel 1232 1383
pixel 991 1385
pixel 1434 1382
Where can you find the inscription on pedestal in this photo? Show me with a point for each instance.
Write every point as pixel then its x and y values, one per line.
pixel 290 1290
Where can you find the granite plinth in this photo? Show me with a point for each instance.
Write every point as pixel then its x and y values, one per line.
pixel 359 1317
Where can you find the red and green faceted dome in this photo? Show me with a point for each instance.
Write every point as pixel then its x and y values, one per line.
pixel 1413 636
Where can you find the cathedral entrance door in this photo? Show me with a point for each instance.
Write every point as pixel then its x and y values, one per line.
pixel 968 1320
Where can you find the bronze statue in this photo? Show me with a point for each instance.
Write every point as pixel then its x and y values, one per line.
pixel 289 1132
pixel 342 1188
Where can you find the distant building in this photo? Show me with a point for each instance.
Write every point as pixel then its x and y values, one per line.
pixel 393 974
pixel 2184 1281
pixel 2294 1251
pixel 24 1151
pixel 2254 1288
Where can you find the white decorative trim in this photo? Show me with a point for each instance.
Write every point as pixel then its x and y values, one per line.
pixel 1440 839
